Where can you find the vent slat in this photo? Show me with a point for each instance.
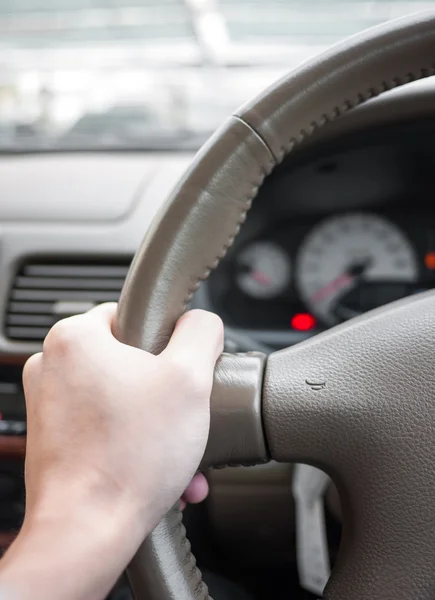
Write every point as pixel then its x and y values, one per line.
pixel 38 270
pixel 68 284
pixel 27 333
pixel 44 293
pixel 54 295
pixel 32 320
pixel 31 307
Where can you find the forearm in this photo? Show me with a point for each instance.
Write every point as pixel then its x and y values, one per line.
pixel 70 557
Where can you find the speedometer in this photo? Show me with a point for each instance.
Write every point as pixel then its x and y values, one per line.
pixel 351 263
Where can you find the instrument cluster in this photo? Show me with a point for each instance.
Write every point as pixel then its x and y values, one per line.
pixel 312 273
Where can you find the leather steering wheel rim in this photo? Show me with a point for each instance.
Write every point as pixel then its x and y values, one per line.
pixel 370 424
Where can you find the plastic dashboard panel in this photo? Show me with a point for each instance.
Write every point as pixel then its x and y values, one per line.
pixel 110 220
pixel 104 188
pixel 109 231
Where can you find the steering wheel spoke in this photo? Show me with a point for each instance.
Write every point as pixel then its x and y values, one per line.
pixel 236 431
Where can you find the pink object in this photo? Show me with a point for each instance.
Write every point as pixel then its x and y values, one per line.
pixel 332 287
pixel 260 277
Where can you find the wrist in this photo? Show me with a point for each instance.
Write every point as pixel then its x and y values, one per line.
pixel 70 550
pixel 91 500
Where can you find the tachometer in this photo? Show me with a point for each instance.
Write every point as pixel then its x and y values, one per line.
pixel 352 263
pixel 262 270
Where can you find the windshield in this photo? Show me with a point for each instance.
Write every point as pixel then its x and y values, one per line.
pixel 84 74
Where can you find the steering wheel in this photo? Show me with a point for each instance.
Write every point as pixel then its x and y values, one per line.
pixel 358 401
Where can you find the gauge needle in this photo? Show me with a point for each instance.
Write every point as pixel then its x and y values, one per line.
pixel 332 287
pixel 260 277
pixel 341 282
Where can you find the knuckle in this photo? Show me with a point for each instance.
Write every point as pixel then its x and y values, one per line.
pixel 206 317
pixel 218 329
pixel 31 367
pixel 215 319
pixel 201 385
pixel 189 376
pixel 178 368
pixel 62 335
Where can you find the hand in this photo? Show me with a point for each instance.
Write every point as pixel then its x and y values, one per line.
pixel 115 434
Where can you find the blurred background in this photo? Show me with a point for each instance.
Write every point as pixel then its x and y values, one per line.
pixel 154 74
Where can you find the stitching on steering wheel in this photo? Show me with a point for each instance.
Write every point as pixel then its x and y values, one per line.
pixel 188 559
pixel 362 97
pixel 242 216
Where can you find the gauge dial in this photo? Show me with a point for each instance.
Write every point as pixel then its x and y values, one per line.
pixel 351 263
pixel 263 270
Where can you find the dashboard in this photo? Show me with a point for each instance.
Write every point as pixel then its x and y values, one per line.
pixel 345 224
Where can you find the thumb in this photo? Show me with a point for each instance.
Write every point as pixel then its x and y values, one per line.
pixel 198 338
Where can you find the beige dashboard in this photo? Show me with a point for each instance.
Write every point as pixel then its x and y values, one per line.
pixel 78 206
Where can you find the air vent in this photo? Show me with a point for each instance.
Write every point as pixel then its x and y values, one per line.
pixel 45 292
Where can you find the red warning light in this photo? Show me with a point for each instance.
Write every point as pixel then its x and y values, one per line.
pixel 303 322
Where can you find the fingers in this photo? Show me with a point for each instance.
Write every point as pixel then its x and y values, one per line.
pixel 198 338
pixel 103 313
pixel 31 370
pixel 91 326
pixel 196 491
pixel 31 381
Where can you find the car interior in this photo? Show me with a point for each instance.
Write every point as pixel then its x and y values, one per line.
pixel 115 188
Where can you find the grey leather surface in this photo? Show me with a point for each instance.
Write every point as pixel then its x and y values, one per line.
pixel 369 422
pixel 165 567
pixel 236 434
pixel 342 78
pixel 194 230
pixel 191 233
